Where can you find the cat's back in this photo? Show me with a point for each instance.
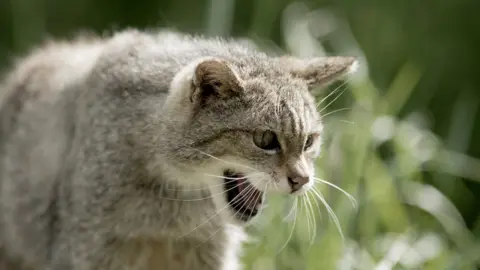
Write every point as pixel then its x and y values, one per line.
pixel 34 138
pixel 52 68
pixel 34 84
pixel 33 99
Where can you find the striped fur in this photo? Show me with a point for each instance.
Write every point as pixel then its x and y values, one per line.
pixel 108 148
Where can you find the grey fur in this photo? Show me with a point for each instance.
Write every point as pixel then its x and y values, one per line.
pixel 107 147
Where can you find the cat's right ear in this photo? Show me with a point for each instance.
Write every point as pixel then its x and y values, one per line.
pixel 214 79
pixel 319 71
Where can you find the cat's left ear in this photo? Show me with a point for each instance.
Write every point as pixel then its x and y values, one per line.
pixel 319 71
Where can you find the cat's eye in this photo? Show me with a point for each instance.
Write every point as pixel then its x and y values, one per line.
pixel 309 142
pixel 266 140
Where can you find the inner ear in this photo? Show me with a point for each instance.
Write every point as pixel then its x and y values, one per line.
pixel 214 78
pixel 319 71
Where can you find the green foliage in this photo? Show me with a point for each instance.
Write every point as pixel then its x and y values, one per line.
pixel 400 135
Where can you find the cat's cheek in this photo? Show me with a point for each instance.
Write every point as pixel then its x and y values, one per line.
pixel 220 201
pixel 279 186
pixel 312 154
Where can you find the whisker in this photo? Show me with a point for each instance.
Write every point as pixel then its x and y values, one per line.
pixel 248 192
pixel 206 221
pixel 229 180
pixel 259 196
pixel 293 228
pixel 200 199
pixel 206 187
pixel 221 160
pixel 216 231
pixel 331 93
pixel 332 101
pixel 223 208
pixel 349 196
pixel 291 209
pixel 250 197
pixel 335 111
pixel 275 184
pixel 263 206
pixel 307 214
pixel 312 239
pixel 318 207
pixel 349 122
pixel 330 211
pixel 228 177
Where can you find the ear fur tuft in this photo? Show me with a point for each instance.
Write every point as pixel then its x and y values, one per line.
pixel 319 71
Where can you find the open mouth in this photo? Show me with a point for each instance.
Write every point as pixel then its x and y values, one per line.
pixel 242 196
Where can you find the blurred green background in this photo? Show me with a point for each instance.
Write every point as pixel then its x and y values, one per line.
pixel 402 135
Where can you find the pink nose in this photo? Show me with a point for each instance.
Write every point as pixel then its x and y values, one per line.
pixel 297 182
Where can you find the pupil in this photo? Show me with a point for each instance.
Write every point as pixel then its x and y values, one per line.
pixel 269 140
pixel 266 140
pixel 309 142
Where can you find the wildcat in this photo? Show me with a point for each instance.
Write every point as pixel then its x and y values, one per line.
pixel 149 150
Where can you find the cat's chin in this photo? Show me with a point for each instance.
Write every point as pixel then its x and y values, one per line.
pixel 242 197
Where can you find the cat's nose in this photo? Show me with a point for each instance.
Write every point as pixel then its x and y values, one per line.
pixel 297 182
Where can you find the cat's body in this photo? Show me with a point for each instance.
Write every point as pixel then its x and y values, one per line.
pixel 106 151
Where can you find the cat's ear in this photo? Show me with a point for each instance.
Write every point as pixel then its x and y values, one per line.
pixel 214 78
pixel 319 71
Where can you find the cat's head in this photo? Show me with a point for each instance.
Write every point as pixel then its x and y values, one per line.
pixel 250 126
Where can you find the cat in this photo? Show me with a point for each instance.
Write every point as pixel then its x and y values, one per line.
pixel 151 150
